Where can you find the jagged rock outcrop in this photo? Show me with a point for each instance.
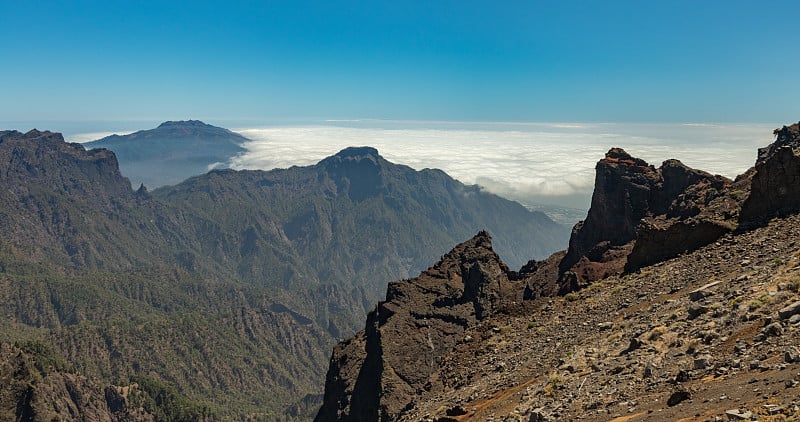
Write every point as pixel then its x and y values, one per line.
pixel 624 190
pixel 641 215
pixel 776 183
pixel 377 374
pixel 787 136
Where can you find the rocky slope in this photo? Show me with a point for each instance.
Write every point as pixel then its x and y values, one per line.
pixel 37 388
pixel 172 152
pixel 692 337
pixel 710 333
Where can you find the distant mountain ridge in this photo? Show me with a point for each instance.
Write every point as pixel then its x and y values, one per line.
pixel 232 286
pixel 172 152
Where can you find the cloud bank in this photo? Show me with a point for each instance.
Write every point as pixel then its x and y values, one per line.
pixel 82 138
pixel 533 163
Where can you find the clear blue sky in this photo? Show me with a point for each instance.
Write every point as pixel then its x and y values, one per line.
pixel 673 61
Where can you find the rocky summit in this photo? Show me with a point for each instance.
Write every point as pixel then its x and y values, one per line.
pixel 678 298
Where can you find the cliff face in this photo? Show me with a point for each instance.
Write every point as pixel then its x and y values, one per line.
pixel 377 374
pixel 641 214
pixel 42 160
pixel 56 196
pixel 776 183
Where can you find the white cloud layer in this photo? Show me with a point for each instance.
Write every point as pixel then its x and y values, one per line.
pixel 91 136
pixel 534 163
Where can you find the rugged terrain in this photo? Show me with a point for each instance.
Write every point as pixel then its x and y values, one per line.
pixel 229 289
pixel 702 328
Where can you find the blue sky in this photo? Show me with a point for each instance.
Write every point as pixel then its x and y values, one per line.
pixel 621 61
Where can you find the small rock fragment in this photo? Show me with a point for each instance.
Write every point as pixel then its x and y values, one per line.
pixel 774 330
pixel 605 326
pixel 537 416
pixel 790 310
pixel 702 362
pixel 695 310
pixel 792 355
pixel 736 415
pixel 678 397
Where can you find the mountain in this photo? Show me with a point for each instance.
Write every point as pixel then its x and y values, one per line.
pixel 612 326
pixel 225 292
pixel 101 276
pixel 172 152
pixel 352 222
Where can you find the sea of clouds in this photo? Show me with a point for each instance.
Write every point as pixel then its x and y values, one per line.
pixel 534 163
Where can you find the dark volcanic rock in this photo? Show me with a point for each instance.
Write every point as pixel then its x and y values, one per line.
pixel 377 374
pixel 621 198
pixel 776 182
pixel 657 243
pixel 641 215
pixel 787 136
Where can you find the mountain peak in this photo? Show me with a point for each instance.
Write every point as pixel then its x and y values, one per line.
pixel 356 170
pixel 620 156
pixel 182 123
pixel 172 152
pixel 358 152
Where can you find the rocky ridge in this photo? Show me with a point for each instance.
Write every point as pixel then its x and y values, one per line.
pixel 378 373
pixel 776 183
pixel 663 307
